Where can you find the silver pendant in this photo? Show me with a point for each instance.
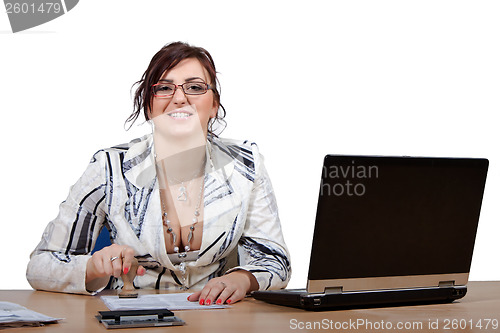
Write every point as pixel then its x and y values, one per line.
pixel 182 194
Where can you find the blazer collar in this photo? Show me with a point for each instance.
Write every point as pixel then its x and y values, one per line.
pixel 139 161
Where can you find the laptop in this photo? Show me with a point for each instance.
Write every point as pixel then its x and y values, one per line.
pixel 390 231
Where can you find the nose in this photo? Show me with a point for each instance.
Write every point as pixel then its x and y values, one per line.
pixel 179 98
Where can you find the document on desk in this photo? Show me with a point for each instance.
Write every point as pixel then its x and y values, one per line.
pixel 15 315
pixel 175 301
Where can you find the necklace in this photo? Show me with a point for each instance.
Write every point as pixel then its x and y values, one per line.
pixel 167 223
pixel 183 195
pixel 173 235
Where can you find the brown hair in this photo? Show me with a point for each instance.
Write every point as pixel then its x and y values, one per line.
pixel 165 59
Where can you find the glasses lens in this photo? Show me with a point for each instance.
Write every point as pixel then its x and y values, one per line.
pixel 163 89
pixel 195 88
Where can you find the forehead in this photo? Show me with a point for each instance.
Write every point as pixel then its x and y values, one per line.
pixel 186 69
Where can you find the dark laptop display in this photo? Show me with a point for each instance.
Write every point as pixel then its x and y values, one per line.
pixel 391 230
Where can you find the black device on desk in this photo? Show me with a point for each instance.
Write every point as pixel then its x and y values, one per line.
pixel 138 318
pixel 390 231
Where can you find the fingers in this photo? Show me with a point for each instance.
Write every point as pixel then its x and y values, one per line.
pixel 116 266
pixel 102 264
pixel 141 270
pixel 227 289
pixel 194 297
pixel 127 255
pixel 113 260
pixel 219 291
pixel 225 295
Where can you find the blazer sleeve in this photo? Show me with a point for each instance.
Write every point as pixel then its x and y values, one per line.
pixel 262 249
pixel 59 261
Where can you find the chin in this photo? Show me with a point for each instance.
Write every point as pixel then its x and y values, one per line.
pixel 185 132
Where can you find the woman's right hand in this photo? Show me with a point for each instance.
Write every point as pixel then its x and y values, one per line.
pixel 100 267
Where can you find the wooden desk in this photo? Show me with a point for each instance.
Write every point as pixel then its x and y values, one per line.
pixel 482 303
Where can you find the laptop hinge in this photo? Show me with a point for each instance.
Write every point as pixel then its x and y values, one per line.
pixel 446 284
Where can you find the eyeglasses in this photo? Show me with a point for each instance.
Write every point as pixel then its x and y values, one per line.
pixel 164 90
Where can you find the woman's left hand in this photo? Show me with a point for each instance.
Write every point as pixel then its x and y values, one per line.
pixel 227 289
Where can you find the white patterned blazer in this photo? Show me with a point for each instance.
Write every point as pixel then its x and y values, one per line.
pixel 119 190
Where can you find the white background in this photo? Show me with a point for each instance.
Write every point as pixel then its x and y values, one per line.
pixel 302 79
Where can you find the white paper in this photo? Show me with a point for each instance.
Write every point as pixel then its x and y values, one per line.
pixel 12 315
pixel 175 301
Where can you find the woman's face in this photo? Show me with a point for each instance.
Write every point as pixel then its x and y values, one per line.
pixel 182 113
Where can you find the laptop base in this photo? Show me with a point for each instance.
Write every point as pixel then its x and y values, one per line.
pixel 299 298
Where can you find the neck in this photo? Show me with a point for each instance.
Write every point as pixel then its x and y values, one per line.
pixel 184 166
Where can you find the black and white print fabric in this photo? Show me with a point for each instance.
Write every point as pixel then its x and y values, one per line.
pixel 119 191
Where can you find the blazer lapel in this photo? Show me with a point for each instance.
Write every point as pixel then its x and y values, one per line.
pixel 221 207
pixel 139 164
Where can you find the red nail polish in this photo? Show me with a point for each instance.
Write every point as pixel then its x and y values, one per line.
pixel 228 301
pixel 202 301
pixel 208 302
pixel 125 270
pixel 188 297
pixel 219 301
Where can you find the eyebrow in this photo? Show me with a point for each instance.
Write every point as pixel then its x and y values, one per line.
pixel 187 80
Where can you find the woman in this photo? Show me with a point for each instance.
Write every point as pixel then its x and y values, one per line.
pixel 198 212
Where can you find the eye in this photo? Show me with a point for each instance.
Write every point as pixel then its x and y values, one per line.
pixel 164 89
pixel 195 87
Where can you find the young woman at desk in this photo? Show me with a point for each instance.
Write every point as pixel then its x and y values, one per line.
pixel 197 211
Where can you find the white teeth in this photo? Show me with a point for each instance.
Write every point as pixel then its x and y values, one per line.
pixel 179 115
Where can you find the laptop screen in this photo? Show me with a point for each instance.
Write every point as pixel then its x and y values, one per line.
pixel 396 216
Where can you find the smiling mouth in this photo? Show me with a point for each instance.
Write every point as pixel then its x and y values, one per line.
pixel 180 115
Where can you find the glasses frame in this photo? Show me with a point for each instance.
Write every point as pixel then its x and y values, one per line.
pixel 182 87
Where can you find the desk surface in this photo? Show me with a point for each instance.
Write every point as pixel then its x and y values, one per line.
pixel 480 307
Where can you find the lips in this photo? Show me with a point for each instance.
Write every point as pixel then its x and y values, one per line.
pixel 180 114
